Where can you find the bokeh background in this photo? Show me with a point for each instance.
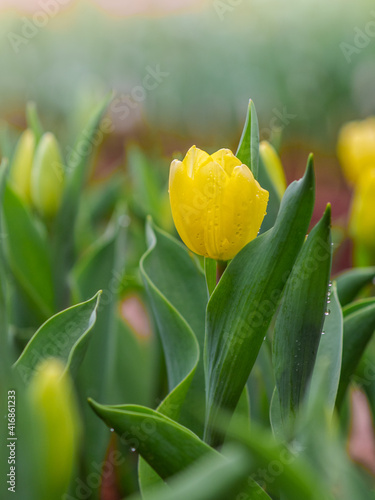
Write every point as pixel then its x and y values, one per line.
pixel 182 72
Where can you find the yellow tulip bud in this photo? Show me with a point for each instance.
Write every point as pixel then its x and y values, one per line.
pixel 356 148
pixel 217 205
pixel 274 167
pixel 55 427
pixel 47 176
pixel 20 173
pixel 362 219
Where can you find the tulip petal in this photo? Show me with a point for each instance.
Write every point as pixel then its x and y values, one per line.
pixel 244 207
pixel 194 158
pixel 186 207
pixel 226 159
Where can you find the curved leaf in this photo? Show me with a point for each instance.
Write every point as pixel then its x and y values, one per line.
pixel 243 303
pixel 63 336
pixel 177 292
pixel 167 446
pixel 351 282
pixel 359 326
pixel 299 322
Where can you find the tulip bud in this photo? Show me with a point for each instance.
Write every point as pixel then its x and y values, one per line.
pixel 362 220
pixel 356 148
pixel 217 205
pixel 55 421
pixel 47 176
pixel 20 173
pixel 274 167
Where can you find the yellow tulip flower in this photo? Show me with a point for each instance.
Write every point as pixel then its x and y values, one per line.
pixel 217 205
pixel 356 148
pixel 362 220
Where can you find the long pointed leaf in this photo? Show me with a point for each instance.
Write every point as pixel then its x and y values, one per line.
pixel 63 336
pixel 248 149
pixel 243 304
pixel 299 322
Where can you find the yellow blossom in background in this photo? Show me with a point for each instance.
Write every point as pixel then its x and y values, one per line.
pixel 362 217
pixel 274 167
pixel 217 205
pixel 356 148
pixel 20 173
pixel 56 426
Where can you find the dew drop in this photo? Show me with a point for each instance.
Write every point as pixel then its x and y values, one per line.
pixel 323 333
pixel 132 450
pixel 112 430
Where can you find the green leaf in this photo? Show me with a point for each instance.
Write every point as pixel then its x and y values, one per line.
pixel 243 303
pixel 248 148
pixel 77 170
pixel 212 478
pixel 328 359
pixel 351 282
pixel 30 263
pixel 167 446
pixel 299 322
pixel 359 326
pixel 63 336
pixel 33 121
pixel 178 296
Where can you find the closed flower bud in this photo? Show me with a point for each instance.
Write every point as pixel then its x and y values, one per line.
pixel 217 205
pixel 274 167
pixel 362 220
pixel 20 173
pixel 47 176
pixel 356 148
pixel 56 427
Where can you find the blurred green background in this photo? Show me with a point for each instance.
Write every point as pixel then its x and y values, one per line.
pixel 182 73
